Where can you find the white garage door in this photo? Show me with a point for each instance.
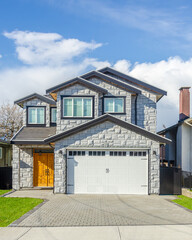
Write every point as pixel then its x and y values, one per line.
pixel 107 172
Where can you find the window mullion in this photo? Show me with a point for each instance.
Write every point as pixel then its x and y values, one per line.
pixel 82 107
pixel 72 107
pixel 36 115
pixel 114 105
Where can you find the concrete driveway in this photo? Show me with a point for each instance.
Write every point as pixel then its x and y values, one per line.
pixel 103 210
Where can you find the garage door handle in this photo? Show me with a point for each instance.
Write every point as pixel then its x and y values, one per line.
pixel 107 170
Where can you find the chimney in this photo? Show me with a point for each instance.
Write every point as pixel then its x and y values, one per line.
pixel 184 103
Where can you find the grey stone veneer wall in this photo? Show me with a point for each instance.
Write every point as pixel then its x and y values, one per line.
pixel 77 89
pixel 64 124
pixel 146 108
pixel 36 102
pixel 106 135
pixel 22 173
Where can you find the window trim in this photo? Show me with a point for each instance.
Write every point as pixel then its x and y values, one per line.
pixel 115 113
pixel 35 125
pixel 52 123
pixel 1 152
pixel 78 96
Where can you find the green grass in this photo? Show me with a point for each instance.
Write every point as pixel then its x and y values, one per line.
pixel 184 201
pixel 13 208
pixel 4 191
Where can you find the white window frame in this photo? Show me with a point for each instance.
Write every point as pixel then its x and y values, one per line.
pixel 1 152
pixel 73 107
pixel 52 115
pixel 105 98
pixel 36 115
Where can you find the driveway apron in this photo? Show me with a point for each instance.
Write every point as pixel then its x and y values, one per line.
pixel 105 210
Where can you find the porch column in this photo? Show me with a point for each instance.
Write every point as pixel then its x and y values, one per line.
pixel 16 168
pixel 60 169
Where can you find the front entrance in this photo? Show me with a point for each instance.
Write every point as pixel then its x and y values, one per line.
pixel 43 169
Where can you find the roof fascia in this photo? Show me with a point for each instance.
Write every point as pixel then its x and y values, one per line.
pixel 134 80
pixel 112 80
pixel 18 142
pixel 79 80
pixel 102 119
pixel 34 95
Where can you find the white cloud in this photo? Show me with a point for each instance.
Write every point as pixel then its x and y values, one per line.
pixel 44 72
pixel 1 56
pixel 21 81
pixel 36 48
pixel 168 75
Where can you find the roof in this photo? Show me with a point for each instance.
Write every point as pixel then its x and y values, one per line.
pixel 80 81
pixel 101 119
pixel 188 121
pixel 117 82
pixel 33 135
pixel 34 95
pixel 133 80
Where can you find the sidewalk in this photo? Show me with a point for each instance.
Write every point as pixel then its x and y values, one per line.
pixel 163 232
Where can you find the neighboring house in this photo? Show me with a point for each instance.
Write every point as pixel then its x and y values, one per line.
pixel 92 134
pixel 179 152
pixel 5 153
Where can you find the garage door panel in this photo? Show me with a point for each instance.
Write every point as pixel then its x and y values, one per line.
pixel 123 174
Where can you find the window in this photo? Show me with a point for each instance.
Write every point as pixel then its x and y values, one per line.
pixel 77 107
pixel 1 152
pixel 137 154
pixel 53 115
pixel 115 153
pixel 76 153
pixel 114 105
pixel 96 153
pixel 36 115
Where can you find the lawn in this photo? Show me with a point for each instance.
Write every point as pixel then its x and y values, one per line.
pixel 13 208
pixel 4 191
pixel 184 201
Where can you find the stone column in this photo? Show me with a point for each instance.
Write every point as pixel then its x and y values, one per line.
pixel 16 168
pixel 60 159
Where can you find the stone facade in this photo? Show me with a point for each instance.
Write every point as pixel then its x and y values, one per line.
pixel 36 102
pixel 106 135
pixel 22 165
pixel 146 108
pixel 65 124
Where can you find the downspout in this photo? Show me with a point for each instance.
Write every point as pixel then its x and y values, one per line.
pixel 136 109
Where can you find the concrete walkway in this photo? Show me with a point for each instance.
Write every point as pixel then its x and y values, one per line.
pixel 164 232
pixel 103 210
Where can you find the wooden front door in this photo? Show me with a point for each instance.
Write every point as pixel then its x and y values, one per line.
pixel 43 169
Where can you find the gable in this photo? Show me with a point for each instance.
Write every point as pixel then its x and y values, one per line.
pixel 97 121
pixel 79 81
pixel 118 83
pixel 32 97
pixel 121 76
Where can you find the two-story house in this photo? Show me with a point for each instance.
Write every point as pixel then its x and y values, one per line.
pixel 95 133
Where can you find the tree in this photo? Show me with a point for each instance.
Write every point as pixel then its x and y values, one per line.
pixel 11 120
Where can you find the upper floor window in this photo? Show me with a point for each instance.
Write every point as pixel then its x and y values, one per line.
pixel 53 115
pixel 114 104
pixel 77 107
pixel 36 115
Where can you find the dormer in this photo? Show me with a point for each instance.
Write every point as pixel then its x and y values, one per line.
pixel 38 110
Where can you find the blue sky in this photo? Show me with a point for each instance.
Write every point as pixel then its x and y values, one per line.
pixel 137 30
pixel 43 42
